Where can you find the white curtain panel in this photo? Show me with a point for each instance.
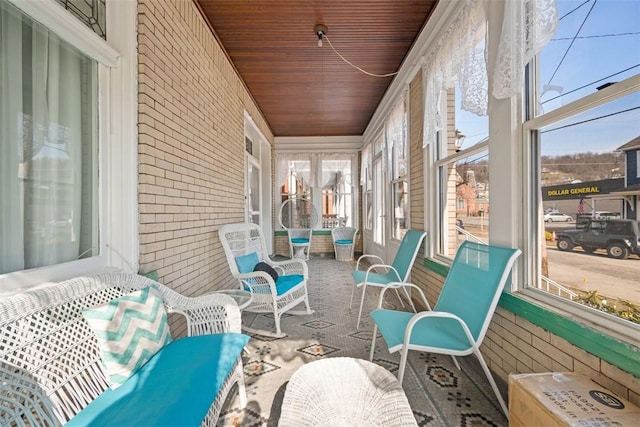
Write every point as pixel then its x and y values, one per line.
pixel 396 136
pixel 41 146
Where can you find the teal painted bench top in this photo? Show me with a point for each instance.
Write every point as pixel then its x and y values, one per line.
pixel 168 390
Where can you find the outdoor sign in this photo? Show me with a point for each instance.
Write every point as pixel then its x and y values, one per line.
pixel 581 189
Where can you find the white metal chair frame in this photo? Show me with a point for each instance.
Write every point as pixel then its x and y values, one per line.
pixel 388 269
pixel 474 343
pixel 245 238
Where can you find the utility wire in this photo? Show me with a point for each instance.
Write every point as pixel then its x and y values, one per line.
pixel 591 120
pixel 572 41
pixel 355 66
pixel 589 84
pixel 570 12
pixel 597 36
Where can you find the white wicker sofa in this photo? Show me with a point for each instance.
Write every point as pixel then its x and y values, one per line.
pixel 51 370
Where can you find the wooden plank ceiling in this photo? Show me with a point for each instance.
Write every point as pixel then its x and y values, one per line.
pixel 306 90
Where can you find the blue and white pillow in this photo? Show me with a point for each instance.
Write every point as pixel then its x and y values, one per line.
pixel 130 330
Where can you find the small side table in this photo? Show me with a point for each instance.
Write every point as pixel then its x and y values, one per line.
pixel 242 298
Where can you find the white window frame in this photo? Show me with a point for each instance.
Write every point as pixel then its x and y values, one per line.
pixel 590 316
pixel 117 140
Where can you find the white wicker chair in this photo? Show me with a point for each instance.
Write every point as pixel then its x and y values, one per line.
pixel 50 362
pixel 343 391
pixel 245 238
pixel 344 242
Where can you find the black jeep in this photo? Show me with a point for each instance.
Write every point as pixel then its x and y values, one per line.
pixel 619 237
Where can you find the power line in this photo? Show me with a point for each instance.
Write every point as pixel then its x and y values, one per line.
pixel 570 12
pixel 591 120
pixel 572 41
pixel 597 36
pixel 589 84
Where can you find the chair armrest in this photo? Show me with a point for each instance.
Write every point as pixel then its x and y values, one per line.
pixel 206 314
pixel 396 285
pixel 291 266
pixel 389 267
pixel 365 256
pixel 258 282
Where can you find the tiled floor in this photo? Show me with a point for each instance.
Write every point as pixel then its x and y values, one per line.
pixel 439 394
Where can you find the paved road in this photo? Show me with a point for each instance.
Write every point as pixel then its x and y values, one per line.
pixel 587 272
pixel 577 270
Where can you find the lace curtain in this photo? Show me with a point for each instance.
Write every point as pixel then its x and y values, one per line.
pixel 528 25
pixel 396 138
pixel 459 56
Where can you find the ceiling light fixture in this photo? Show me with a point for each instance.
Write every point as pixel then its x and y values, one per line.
pixel 321 31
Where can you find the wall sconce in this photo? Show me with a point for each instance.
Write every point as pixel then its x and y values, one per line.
pixel 321 31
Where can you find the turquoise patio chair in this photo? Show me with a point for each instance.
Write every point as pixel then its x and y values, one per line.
pixel 460 319
pixel 381 274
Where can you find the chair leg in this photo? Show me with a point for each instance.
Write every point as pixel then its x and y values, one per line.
pixel 407 293
pixel 494 386
pixel 403 363
pixel 399 299
pixel 242 392
pixel 353 290
pixel 364 288
pixel 373 342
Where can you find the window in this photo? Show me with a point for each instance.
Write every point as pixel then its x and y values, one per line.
pixel 584 116
pixel 396 141
pixel 337 195
pixel 48 149
pixel 324 182
pixel 71 181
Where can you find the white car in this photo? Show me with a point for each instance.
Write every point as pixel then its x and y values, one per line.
pixel 557 217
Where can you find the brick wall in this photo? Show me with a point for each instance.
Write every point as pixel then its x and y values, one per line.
pixel 191 147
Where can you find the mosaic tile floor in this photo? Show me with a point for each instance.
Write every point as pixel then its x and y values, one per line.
pixel 439 394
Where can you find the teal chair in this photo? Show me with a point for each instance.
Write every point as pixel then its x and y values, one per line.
pixel 381 275
pixel 459 321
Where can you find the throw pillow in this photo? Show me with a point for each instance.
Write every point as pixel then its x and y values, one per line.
pixel 263 266
pixel 246 263
pixel 130 330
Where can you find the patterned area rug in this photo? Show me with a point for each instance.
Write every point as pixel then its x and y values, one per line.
pixel 439 393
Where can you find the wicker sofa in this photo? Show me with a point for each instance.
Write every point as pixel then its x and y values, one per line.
pixel 51 370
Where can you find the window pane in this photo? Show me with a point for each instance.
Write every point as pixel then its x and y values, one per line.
pixel 337 200
pixel 464 202
pixel 584 161
pixel 400 209
pixel 48 152
pixel 596 43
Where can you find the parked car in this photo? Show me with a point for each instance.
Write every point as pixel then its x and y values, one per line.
pixel 557 217
pixel 620 237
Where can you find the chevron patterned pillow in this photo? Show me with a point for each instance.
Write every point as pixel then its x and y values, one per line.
pixel 130 330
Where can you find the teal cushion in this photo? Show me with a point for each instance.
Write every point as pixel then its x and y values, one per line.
pixel 175 388
pixel 344 242
pixel 285 283
pixel 299 240
pixel 246 263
